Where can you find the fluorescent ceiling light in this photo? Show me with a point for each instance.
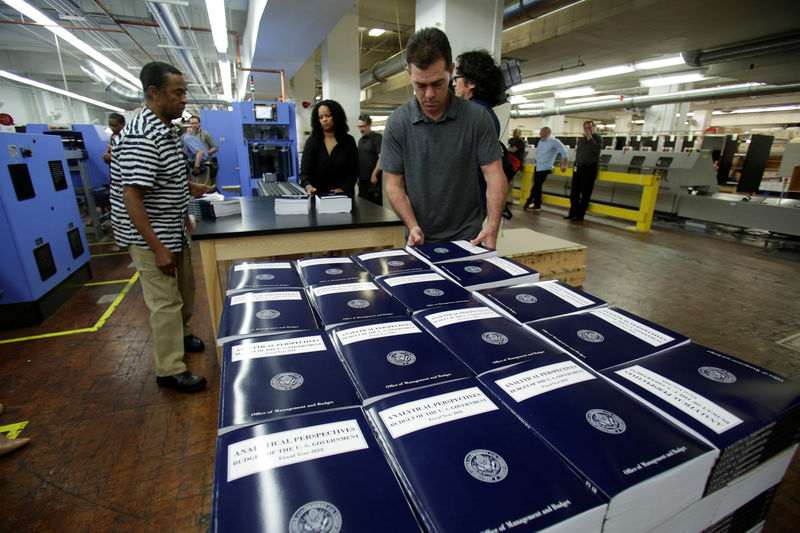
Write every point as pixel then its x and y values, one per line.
pixel 658 81
pixel 576 91
pixel 40 18
pixel 517 99
pixel 225 76
pixel 181 3
pixel 637 121
pixel 574 78
pixel 219 26
pixel 177 47
pixel 588 99
pixel 660 63
pixel 376 32
pixel 38 85
pixel 531 105
pixel 759 110
pixel 76 18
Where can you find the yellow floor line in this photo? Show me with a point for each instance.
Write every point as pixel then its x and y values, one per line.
pixel 97 325
pixel 112 282
pixel 101 243
pixel 13 430
pixel 109 253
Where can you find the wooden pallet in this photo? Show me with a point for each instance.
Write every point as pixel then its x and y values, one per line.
pixel 552 257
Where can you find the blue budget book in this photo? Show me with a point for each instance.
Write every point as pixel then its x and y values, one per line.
pixel 390 262
pixel 264 312
pixel 312 472
pixel 321 270
pixel 482 338
pixel 749 413
pixel 469 465
pixel 282 375
pixel 424 290
pixel 647 468
pixel 477 274
pixel 608 336
pixel 445 252
pixel 349 302
pixel 537 301
pixel 387 356
pixel 262 275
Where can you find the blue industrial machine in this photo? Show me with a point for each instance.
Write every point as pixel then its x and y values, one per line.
pixel 45 254
pixel 257 143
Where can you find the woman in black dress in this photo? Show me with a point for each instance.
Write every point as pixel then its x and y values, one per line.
pixel 330 156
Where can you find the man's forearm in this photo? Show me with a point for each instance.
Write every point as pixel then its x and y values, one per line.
pixel 401 203
pixel 138 215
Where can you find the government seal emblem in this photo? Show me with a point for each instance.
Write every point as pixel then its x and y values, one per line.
pixel 441 250
pixel 486 466
pixel 526 298
pixel 472 269
pixel 605 421
pixel 265 277
pixel 334 271
pixel 433 292
pixel 358 303
pixel 395 263
pixel 401 358
pixel 717 374
pixel 286 381
pixel 590 336
pixel 268 314
pixel 316 517
pixel 492 337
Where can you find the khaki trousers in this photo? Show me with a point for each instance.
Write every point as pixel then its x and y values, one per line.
pixel 171 302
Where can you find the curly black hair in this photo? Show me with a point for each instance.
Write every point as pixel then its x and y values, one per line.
pixel 340 127
pixel 478 67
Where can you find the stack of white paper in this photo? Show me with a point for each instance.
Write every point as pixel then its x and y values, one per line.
pixel 292 204
pixel 334 203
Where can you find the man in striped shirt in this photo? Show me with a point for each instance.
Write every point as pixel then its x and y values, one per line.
pixel 149 203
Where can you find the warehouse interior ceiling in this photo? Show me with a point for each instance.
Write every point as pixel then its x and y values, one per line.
pixel 562 35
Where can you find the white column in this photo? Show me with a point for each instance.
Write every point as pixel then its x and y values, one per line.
pixel 340 55
pixel 554 122
pixel 622 124
pixel 303 88
pixel 660 118
pixel 702 118
pixel 469 24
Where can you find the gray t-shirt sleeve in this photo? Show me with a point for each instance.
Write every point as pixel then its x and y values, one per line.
pixel 392 145
pixel 488 145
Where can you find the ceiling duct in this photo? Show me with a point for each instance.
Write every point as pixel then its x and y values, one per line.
pixel 110 82
pixel 749 89
pixel 770 45
pixel 172 32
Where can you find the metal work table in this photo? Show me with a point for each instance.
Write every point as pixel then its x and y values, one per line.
pixel 258 232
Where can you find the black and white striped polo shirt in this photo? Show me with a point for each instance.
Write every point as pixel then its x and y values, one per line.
pixel 148 154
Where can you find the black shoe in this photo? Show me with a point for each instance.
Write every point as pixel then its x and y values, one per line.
pixel 569 217
pixel 507 214
pixel 183 382
pixel 193 344
pixel 526 206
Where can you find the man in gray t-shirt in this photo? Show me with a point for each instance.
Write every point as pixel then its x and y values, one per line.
pixel 432 148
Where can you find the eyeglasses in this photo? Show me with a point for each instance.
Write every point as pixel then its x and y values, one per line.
pixel 454 78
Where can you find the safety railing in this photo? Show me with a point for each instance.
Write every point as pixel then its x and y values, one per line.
pixel 642 216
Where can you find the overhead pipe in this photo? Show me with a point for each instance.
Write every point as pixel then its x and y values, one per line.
pixel 122 29
pixel 110 82
pixel 771 45
pixel 750 89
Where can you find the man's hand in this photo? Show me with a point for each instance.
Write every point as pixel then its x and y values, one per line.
pixel 198 189
pixel 338 191
pixel 415 236
pixel 165 261
pixel 196 170
pixel 373 179
pixel 486 237
pixel 311 190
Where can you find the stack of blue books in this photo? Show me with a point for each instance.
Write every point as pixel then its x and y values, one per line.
pixel 477 274
pixel 321 472
pixel 321 270
pixel 468 464
pixel 482 338
pixel 282 375
pixel 390 262
pixel 445 252
pixel 349 302
pixel 537 301
pixel 608 336
pixel 389 356
pixel 262 275
pixel 646 468
pixel 424 290
pixel 265 312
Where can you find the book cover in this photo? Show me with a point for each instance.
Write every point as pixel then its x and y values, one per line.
pixel 321 270
pixel 316 472
pixel 390 262
pixel 265 312
pixel 445 252
pixel 749 413
pixel 482 338
pixel 348 302
pixel 389 356
pixel 480 274
pixel 262 275
pixel 608 336
pixel 545 299
pixel 424 290
pixel 647 468
pixel 469 465
pixel 283 375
